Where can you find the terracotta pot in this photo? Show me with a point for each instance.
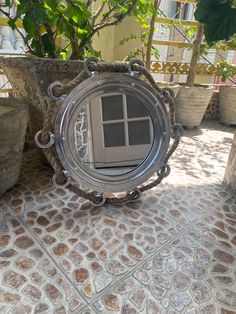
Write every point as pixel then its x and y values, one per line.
pixel 227 106
pixel 30 78
pixel 13 122
pixel 191 104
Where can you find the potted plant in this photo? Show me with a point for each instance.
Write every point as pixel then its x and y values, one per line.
pixel 215 22
pixel 227 93
pixel 192 101
pixel 58 34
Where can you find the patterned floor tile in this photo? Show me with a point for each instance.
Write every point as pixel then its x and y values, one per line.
pixel 190 275
pixel 184 203
pixel 34 182
pixel 97 246
pixel 4 212
pixel 220 226
pixel 194 186
pixel 29 281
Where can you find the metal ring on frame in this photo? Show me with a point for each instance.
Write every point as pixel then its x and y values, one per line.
pixel 164 171
pixel 168 90
pixel 102 201
pixel 86 66
pixel 39 144
pixel 130 67
pixel 50 90
pixel 137 195
pixel 64 185
pixel 177 127
pixel 71 106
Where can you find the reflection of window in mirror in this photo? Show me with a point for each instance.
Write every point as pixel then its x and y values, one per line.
pixel 121 131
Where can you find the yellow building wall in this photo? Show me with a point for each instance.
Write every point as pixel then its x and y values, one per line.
pixel 108 40
pixel 104 42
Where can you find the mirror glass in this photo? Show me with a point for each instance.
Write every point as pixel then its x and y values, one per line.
pixel 112 133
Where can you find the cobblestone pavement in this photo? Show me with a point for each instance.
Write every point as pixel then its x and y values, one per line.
pixel 172 252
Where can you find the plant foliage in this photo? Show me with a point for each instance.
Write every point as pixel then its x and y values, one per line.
pixel 65 28
pixel 226 70
pixel 218 17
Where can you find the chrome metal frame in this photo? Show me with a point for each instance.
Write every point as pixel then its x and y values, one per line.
pixel 99 85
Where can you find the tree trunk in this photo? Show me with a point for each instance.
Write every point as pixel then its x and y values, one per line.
pixel 151 33
pixel 195 55
pixel 75 54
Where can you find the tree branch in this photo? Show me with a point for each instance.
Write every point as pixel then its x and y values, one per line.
pixel 107 16
pixel 75 47
pixel 116 21
pixel 97 13
pixel 195 55
pixel 151 33
pixel 89 2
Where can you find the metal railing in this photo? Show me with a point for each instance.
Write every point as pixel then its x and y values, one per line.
pixel 210 68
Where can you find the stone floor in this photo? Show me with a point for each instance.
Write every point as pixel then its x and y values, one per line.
pixel 172 252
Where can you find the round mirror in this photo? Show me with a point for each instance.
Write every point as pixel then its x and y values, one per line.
pixel 112 132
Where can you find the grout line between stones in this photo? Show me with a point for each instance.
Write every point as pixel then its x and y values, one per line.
pixel 186 227
pixel 3 216
pixel 193 224
pixel 38 241
pixel 215 243
pixel 92 300
pixel 178 235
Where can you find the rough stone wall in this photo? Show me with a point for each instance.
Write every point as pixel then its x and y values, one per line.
pixel 230 173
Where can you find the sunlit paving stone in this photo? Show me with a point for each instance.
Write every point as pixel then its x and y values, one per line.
pixel 191 287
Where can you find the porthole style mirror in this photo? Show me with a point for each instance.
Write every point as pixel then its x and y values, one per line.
pixel 112 132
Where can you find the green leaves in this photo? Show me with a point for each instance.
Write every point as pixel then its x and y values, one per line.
pixel 29 25
pixel 40 13
pixel 51 5
pixel 56 28
pixel 226 70
pixel 218 17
